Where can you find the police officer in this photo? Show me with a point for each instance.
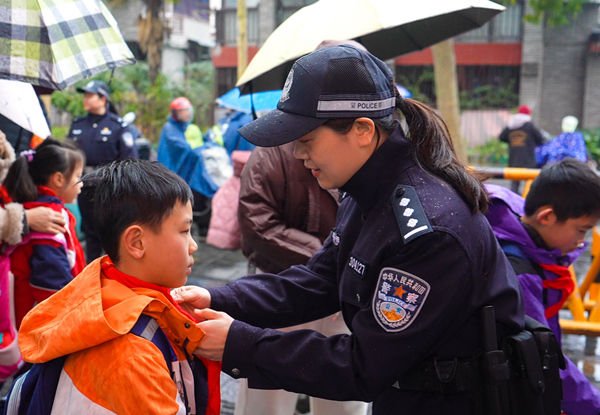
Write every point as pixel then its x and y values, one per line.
pixel 410 263
pixel 103 137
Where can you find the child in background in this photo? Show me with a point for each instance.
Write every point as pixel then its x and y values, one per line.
pixel 542 236
pixel 143 215
pixel 48 176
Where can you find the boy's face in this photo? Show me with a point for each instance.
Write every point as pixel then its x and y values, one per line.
pixel 568 234
pixel 169 251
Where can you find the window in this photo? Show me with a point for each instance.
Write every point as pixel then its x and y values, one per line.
pixel 285 8
pixel 227 25
pixel 504 28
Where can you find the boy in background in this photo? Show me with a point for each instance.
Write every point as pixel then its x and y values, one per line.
pixel 542 236
pixel 144 215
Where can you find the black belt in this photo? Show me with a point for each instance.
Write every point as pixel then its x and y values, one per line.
pixel 442 376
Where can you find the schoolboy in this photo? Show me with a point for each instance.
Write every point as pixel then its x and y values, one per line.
pixel 541 236
pixel 143 213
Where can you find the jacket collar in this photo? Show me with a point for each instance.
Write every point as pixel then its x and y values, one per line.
pixel 380 172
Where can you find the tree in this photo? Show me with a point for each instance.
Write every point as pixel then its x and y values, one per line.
pixel 558 12
pixel 151 36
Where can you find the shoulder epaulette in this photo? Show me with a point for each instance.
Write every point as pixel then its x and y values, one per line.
pixel 410 215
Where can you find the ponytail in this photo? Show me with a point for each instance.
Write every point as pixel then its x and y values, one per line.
pixel 19 183
pixel 34 168
pixel 433 150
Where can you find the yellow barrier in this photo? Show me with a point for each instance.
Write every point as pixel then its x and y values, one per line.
pixel 576 303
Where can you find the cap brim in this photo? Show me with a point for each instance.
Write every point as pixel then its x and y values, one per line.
pixel 91 91
pixel 278 127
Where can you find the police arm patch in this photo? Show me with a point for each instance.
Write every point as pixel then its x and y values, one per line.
pixel 398 299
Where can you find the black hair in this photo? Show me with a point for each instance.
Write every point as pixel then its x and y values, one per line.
pixel 432 147
pixel 570 186
pixel 35 167
pixel 129 192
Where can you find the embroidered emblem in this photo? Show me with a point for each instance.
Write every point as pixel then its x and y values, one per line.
pixel 398 299
pixel 106 131
pixel 77 131
pixel 357 265
pixel 285 94
pixel 128 139
pixel 409 213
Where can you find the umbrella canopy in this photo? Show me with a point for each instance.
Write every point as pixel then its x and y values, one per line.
pixel 262 101
pixel 55 43
pixel 387 28
pixel 20 104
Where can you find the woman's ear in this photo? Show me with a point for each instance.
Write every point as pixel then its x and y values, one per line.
pixel 132 242
pixel 364 128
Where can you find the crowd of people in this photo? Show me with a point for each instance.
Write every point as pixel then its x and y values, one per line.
pixel 372 252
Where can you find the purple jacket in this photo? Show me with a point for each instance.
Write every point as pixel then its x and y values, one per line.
pixel 506 207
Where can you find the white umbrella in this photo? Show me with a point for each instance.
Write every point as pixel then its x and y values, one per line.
pixel 387 28
pixel 20 104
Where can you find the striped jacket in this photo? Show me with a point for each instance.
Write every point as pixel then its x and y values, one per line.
pixel 109 370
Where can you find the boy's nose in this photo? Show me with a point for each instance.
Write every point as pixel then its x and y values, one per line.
pixel 193 245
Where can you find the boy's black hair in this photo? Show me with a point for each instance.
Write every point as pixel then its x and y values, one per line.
pixel 128 192
pixel 570 186
pixel 35 167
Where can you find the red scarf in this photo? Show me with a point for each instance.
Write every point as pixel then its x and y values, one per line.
pixel 564 283
pixel 112 273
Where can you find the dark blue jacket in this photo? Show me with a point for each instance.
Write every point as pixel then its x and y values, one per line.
pixel 103 138
pixel 408 265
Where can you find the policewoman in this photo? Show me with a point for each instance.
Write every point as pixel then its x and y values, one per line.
pixel 410 262
pixel 103 137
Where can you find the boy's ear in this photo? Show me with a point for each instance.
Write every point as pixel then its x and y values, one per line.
pixel 365 131
pixel 132 242
pixel 546 216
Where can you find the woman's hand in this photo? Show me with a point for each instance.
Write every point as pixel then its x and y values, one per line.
pixel 191 297
pixel 45 220
pixel 215 325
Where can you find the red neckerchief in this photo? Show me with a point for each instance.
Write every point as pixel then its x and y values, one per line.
pixel 4 197
pixel 43 190
pixel 112 273
pixel 564 283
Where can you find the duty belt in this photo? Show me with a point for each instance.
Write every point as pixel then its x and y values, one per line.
pixel 442 376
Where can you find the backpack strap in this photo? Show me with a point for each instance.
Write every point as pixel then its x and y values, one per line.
pixel 148 328
pixel 523 265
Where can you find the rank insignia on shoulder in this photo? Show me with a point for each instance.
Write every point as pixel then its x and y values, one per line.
pixel 409 213
pixel 398 299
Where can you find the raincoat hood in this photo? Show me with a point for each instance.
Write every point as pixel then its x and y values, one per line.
pixel 93 309
pixel 506 209
pixel 518 121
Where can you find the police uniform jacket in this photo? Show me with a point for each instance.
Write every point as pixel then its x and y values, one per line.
pixel 103 138
pixel 409 266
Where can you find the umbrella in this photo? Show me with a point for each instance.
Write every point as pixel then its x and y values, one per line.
pixel 387 28
pixel 20 104
pixel 262 101
pixel 55 43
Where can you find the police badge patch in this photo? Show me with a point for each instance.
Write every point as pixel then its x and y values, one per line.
pixel 398 299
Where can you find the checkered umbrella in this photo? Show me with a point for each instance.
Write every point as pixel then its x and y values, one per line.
pixel 55 43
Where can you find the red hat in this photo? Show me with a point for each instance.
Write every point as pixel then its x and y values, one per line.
pixel 524 109
pixel 180 103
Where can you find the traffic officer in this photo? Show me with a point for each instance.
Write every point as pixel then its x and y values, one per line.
pixel 411 261
pixel 103 137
